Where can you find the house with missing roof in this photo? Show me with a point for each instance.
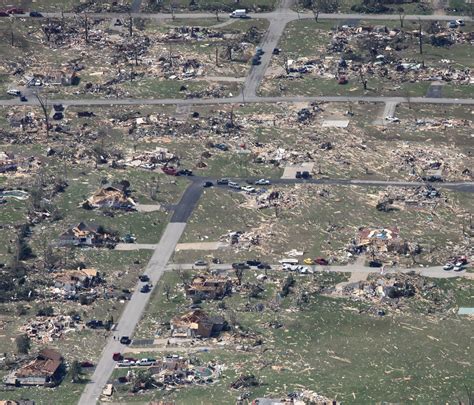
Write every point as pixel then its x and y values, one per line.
pixel 45 370
pixel 197 323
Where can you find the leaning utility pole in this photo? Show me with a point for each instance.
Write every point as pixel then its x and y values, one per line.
pixel 43 102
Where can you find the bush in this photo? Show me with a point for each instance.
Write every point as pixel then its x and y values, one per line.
pixel 45 311
pixel 23 344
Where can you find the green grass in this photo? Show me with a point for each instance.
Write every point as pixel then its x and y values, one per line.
pixel 331 348
pixel 305 226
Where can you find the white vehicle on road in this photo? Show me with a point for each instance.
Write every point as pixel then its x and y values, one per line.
pixel 241 13
pixel 262 182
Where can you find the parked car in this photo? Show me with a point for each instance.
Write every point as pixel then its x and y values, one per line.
pixel 375 263
pixel 15 10
pixel 253 262
pixel 321 261
pixel 342 80
pixel 221 146
pixel 23 99
pixel 461 23
pixel 144 278
pixel 259 51
pixel 185 172
pixel 200 263
pixel 240 265
pixel 145 289
pixel 256 61
pixel 264 266
pixel 87 364
pixel 262 182
pixel 452 24
pixel 458 268
pixel 14 92
pixel 248 189
pixel 3 14
pixel 208 184
pixel 125 340
pixel 234 185
pixel 276 51
pixel 241 13
pixel 298 175
pixel 35 14
pixel 223 182
pixel 448 266
pixel 117 357
pixel 305 175
pixel 308 261
pixel 169 170
pixel 58 116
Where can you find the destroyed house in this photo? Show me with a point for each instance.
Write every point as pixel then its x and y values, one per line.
pixel 196 323
pixel 209 287
pixel 379 238
pixel 71 280
pixel 110 197
pixel 79 235
pixel 87 236
pixel 45 370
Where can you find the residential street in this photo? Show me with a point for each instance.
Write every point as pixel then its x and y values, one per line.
pixel 163 251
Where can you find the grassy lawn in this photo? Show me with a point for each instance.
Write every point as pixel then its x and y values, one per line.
pixel 326 346
pixel 308 38
pixel 306 226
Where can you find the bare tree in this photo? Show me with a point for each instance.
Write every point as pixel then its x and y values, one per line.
pixel 43 101
pixel 130 24
pixel 401 15
pixel 167 291
pixel 363 79
pixel 420 38
pixel 239 274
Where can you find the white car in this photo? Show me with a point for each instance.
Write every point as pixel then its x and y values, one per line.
pixel 458 268
pixel 248 189
pixel 262 182
pixel 13 92
pixel 392 119
pixel 448 266
pixel 461 23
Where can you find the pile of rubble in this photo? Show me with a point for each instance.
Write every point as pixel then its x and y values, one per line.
pixel 399 291
pixel 45 329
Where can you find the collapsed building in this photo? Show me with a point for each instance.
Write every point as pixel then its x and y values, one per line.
pixel 209 287
pixel 196 323
pixel 44 371
pixel 83 235
pixel 110 197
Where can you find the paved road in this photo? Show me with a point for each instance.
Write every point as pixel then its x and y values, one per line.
pixel 269 42
pixel 191 196
pixel 431 271
pixel 274 15
pixel 132 313
pixel 467 186
pixel 238 100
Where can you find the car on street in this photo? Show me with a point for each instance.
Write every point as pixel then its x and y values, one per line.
pixel 23 98
pixel 240 265
pixel 321 261
pixel 461 23
pixel 375 263
pixel 452 24
pixel 15 10
pixel 256 61
pixel 276 51
pixel 208 184
pixel 144 278
pixel 145 289
pixel 262 182
pixel 254 263
pixel 200 263
pixel 223 182
pixel 248 189
pixel 35 14
pixel 185 172
pixel 448 266
pixel 14 92
pixel 264 266
pixel 458 268
pixel 117 357
pixel 125 340
pixel 234 185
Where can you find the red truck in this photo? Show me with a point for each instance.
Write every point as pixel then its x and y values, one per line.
pixel 117 357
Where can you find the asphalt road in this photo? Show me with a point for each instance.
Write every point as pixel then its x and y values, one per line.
pixel 184 209
pixel 467 186
pixel 132 313
pixel 269 42
pixel 287 14
pixel 431 271
pixel 238 100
